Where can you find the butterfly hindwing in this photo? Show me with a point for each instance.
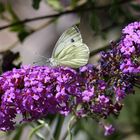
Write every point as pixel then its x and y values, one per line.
pixel 74 56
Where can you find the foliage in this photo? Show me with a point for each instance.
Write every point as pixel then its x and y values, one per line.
pixel 36 3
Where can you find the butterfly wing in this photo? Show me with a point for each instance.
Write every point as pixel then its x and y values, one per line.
pixel 70 36
pixel 70 50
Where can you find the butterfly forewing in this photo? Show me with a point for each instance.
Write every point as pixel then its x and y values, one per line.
pixel 70 36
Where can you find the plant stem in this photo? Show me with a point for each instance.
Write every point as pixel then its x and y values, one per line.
pixel 76 10
pixel 71 124
pixel 58 127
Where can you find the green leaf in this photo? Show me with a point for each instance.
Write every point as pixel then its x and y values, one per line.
pixel 136 7
pixel 16 28
pixel 91 1
pixel 18 133
pixel 58 128
pixel 2 8
pixel 127 15
pixel 12 12
pixel 22 35
pixel 35 132
pixel 114 11
pixel 55 4
pixel 74 3
pixel 22 32
pixel 35 4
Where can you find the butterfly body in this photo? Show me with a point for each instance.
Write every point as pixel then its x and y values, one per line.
pixel 70 50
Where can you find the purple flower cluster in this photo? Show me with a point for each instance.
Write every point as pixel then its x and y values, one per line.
pixel 34 92
pixel 130 48
pixel 120 65
pixel 119 83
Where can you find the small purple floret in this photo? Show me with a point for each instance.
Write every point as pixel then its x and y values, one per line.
pixel 109 129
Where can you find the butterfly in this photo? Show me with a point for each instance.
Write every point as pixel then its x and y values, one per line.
pixel 70 50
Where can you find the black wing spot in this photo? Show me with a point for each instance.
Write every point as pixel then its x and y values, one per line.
pixel 72 40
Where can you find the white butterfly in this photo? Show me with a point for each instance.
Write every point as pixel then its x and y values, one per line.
pixel 70 50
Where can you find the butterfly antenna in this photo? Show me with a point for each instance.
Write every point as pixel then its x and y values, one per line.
pixel 37 61
pixel 46 61
pixel 44 57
